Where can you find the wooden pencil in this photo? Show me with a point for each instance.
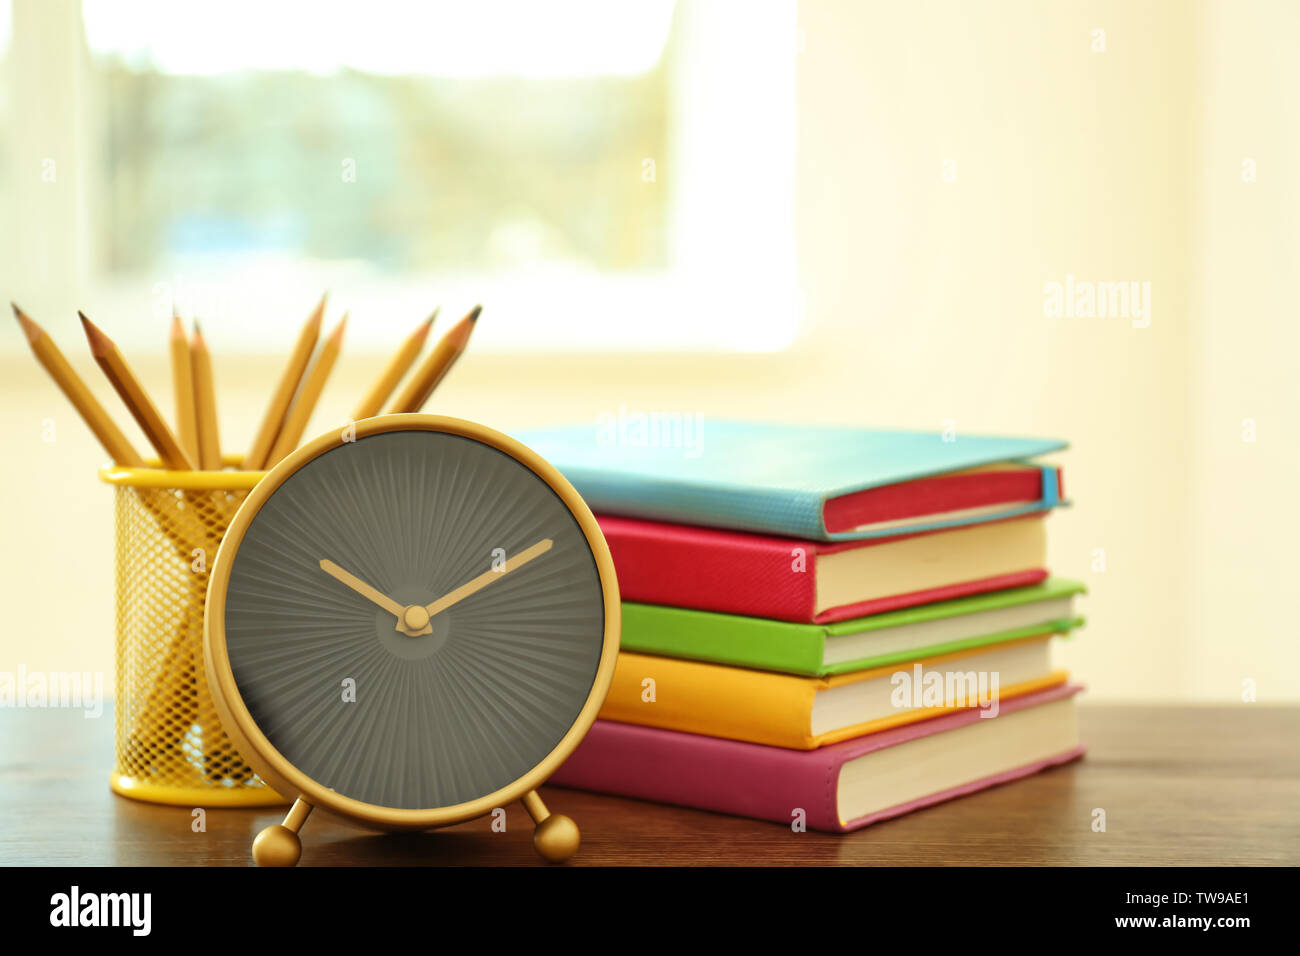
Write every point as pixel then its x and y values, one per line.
pixel 401 363
pixel 305 402
pixel 260 451
pixel 187 428
pixel 135 398
pixel 205 402
pixel 437 365
pixel 70 383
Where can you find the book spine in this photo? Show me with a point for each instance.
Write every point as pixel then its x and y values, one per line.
pixel 726 776
pixel 724 639
pixel 735 574
pixel 743 508
pixel 697 698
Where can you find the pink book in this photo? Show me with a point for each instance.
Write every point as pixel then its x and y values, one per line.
pixel 838 788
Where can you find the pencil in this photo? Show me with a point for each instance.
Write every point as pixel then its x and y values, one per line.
pixel 183 389
pixel 437 365
pixel 260 452
pixel 303 405
pixel 205 403
pixel 70 383
pixel 401 363
pixel 135 398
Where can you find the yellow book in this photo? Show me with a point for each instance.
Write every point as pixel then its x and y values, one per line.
pixel 804 713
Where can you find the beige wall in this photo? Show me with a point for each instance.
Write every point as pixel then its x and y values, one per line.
pixel 924 302
pixel 1242 563
pixel 1067 162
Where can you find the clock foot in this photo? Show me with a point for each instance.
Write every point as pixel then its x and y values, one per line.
pixel 279 845
pixel 556 836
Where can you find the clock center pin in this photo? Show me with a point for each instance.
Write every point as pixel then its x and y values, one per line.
pixel 415 617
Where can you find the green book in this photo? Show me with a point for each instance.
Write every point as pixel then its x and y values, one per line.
pixel 818 650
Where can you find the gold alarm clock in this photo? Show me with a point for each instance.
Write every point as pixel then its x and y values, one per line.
pixel 409 624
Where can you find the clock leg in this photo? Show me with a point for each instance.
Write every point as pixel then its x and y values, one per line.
pixel 279 845
pixel 556 836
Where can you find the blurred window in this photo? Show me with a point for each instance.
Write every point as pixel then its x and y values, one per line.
pixel 601 175
pixel 417 137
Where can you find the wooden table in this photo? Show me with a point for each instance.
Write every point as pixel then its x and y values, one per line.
pixel 1180 785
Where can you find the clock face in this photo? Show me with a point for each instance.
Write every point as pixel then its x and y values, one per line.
pixel 414 619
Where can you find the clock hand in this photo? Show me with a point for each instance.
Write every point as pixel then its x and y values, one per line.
pixel 487 577
pixel 411 621
pixel 362 588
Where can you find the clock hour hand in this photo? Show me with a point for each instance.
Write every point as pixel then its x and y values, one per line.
pixel 487 577
pixel 405 623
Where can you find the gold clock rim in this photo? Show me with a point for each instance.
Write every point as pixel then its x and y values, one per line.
pixel 261 754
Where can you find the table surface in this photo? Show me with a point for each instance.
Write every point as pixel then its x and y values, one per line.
pixel 1179 785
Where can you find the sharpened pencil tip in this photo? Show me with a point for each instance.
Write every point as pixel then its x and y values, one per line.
pixel 30 328
pixel 99 342
pixel 317 316
pixel 422 330
pixel 462 330
pixel 178 327
pixel 337 334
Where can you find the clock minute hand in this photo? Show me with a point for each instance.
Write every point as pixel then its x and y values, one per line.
pixel 362 588
pixel 487 577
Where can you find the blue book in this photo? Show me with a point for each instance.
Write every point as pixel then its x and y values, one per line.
pixel 813 482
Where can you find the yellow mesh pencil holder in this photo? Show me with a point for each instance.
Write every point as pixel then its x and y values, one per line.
pixel 170 745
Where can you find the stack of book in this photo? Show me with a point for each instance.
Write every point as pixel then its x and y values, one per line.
pixel 823 626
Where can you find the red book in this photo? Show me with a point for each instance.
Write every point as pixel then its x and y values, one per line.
pixel 788 579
